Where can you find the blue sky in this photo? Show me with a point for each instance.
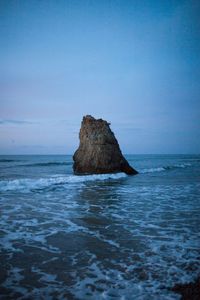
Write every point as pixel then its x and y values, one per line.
pixel 134 63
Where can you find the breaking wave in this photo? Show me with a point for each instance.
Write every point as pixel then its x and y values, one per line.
pixel 165 168
pixel 46 164
pixel 27 184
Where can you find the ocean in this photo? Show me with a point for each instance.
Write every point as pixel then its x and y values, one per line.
pixel 98 236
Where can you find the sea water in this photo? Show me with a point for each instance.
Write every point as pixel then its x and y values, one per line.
pixel 98 236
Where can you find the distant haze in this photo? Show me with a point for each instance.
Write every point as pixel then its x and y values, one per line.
pixel 133 63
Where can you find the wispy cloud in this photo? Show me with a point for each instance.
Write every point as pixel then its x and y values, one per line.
pixel 34 146
pixel 69 122
pixel 16 122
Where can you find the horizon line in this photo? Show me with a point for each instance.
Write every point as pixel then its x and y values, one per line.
pixel 70 154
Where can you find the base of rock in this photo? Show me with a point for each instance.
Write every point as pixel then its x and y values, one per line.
pixel 127 170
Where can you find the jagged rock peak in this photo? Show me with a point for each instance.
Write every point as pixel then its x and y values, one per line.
pixel 99 151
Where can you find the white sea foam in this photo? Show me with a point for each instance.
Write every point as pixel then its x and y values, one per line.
pixel 165 168
pixel 152 170
pixel 27 184
pixel 150 253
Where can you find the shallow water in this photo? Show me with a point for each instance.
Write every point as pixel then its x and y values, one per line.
pixel 98 236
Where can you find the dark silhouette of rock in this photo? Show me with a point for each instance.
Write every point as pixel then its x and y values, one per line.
pixel 188 291
pixel 99 151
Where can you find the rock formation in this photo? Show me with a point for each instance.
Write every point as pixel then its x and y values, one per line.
pixel 99 151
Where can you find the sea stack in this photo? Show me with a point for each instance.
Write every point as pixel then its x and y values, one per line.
pixel 99 151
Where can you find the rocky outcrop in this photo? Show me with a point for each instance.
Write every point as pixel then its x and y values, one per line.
pixel 188 291
pixel 99 151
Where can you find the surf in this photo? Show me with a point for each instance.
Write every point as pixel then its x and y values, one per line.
pixel 29 184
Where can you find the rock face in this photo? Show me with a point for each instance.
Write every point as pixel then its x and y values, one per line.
pixel 189 291
pixel 99 151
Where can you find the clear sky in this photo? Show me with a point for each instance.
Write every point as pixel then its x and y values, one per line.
pixel 134 63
